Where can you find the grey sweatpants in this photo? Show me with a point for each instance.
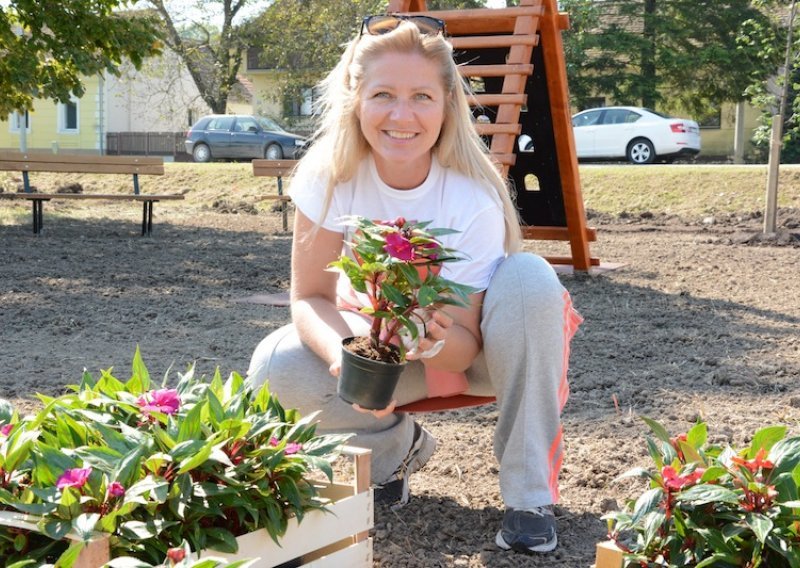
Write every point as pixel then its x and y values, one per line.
pixel 527 322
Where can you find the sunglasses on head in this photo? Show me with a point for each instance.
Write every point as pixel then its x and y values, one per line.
pixel 378 25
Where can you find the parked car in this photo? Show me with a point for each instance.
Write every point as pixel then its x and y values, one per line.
pixel 639 135
pixel 241 136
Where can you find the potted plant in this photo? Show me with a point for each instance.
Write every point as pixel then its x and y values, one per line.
pixel 156 468
pixel 395 271
pixel 709 505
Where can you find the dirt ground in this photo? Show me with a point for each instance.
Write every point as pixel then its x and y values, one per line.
pixel 703 321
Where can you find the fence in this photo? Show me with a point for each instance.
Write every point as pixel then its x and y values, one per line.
pixel 147 144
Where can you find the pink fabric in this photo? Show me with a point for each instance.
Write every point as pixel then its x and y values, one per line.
pixel 444 383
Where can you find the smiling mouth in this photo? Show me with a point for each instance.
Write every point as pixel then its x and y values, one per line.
pixel 400 135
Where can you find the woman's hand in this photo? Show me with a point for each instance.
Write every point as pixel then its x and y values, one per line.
pixel 437 328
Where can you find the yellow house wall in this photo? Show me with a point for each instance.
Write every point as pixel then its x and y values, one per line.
pixel 44 134
pixel 719 141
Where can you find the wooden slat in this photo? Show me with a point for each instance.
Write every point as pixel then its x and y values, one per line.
pixel 109 197
pixel 79 163
pixel 486 42
pixel 569 260
pixel 496 100
pixel 555 233
pixel 489 129
pixel 483 20
pixel 273 168
pixel 495 70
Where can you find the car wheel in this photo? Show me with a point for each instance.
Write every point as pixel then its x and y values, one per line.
pixel 273 152
pixel 201 153
pixel 641 151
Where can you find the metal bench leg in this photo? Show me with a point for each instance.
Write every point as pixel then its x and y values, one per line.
pixel 38 217
pixel 147 218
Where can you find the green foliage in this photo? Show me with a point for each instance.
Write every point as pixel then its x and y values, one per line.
pixel 397 265
pixel 708 505
pixel 157 469
pixel 49 48
pixel 671 54
pixel 211 52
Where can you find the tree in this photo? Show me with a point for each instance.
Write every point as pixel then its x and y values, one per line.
pixel 210 37
pixel 679 53
pixel 46 49
pixel 302 41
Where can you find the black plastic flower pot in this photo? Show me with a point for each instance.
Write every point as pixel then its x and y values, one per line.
pixel 367 382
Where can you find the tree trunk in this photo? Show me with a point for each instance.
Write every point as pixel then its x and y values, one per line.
pixel 649 79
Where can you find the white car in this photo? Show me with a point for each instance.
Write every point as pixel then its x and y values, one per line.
pixel 639 135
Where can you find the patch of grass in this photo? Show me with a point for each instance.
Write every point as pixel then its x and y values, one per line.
pixel 685 190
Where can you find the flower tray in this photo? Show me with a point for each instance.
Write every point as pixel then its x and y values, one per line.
pixel 608 555
pixel 94 554
pixel 332 539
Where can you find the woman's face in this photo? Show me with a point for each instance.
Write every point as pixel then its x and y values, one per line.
pixel 401 110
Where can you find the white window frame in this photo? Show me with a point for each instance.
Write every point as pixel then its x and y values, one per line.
pixel 14 121
pixel 62 117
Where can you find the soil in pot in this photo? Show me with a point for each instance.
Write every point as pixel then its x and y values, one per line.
pixel 363 347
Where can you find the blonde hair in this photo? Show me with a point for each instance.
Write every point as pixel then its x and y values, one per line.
pixel 339 145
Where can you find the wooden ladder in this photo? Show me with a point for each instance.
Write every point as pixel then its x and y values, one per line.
pixel 498 47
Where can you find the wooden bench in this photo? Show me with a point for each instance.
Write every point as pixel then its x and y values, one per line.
pixel 277 169
pixel 88 164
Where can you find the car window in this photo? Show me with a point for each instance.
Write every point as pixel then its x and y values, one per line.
pixel 246 124
pixel 619 116
pixel 268 124
pixel 586 119
pixel 221 123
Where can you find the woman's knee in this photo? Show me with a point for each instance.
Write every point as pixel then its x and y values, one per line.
pixel 528 278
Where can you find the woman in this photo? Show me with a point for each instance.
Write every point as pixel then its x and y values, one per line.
pixel 396 139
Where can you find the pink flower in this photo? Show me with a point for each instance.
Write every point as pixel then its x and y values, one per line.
pixel 6 429
pixel 76 477
pixel 399 247
pixel 677 482
pixel 165 401
pixel 176 555
pixel 116 489
pixel 291 447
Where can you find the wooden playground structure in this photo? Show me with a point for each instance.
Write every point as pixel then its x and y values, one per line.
pixel 514 59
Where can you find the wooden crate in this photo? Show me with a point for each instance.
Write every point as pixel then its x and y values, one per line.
pixel 332 539
pixel 95 553
pixel 608 555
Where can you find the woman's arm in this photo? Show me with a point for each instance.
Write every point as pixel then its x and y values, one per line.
pixel 313 290
pixel 460 328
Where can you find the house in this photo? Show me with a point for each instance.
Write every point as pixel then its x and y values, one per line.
pixel 159 98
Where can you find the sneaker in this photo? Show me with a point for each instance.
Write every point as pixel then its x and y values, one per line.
pixel 528 530
pixel 395 491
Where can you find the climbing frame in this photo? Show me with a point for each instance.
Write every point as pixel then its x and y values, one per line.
pixel 514 59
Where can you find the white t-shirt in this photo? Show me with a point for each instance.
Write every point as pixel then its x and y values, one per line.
pixel 446 198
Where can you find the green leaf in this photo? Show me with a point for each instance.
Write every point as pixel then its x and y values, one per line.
pixel 647 502
pixel 766 438
pixel 190 424
pixel 70 556
pixel 140 378
pixel 785 455
pixel 660 432
pixel 697 435
pixel 84 525
pixel 427 296
pixel 702 494
pixel 197 459
pixel 760 524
